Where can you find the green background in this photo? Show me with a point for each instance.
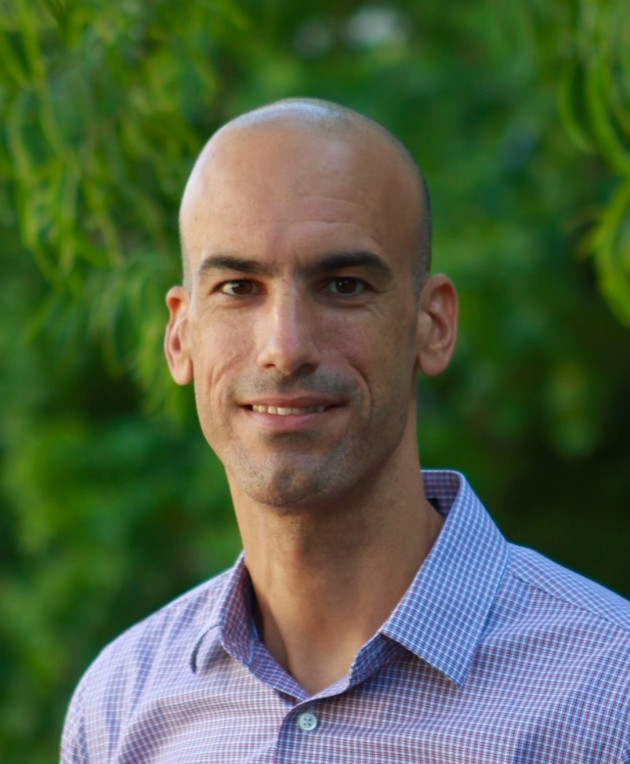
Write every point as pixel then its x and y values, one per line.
pixel 110 501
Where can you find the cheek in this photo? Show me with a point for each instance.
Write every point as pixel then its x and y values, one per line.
pixel 371 357
pixel 394 357
pixel 219 354
pixel 385 340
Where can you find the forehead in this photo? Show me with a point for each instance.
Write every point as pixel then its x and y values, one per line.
pixel 280 188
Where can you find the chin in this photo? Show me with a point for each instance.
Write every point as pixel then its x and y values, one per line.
pixel 291 490
pixel 296 481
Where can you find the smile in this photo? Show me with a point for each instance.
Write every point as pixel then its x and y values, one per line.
pixel 288 411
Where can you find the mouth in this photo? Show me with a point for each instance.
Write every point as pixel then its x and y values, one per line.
pixel 285 415
pixel 288 410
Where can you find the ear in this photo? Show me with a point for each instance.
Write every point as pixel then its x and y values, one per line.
pixel 176 339
pixel 437 324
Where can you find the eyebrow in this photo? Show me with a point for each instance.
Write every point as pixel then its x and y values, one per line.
pixel 328 263
pixel 231 263
pixel 339 261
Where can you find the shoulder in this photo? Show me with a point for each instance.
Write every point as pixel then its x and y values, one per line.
pixel 178 623
pixel 549 585
pixel 130 666
pixel 564 627
pixel 561 643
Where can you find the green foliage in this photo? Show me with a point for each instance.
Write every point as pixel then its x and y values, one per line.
pixel 519 116
pixel 594 101
pixel 101 116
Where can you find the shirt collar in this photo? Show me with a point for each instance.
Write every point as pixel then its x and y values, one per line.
pixel 229 624
pixel 443 613
pixel 441 616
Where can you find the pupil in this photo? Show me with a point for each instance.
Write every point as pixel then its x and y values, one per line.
pixel 345 285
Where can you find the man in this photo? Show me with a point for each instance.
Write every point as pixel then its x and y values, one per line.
pixel 377 614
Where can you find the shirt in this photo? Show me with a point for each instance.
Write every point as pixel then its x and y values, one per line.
pixel 494 654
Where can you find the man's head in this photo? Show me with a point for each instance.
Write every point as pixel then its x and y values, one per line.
pixel 306 312
pixel 327 119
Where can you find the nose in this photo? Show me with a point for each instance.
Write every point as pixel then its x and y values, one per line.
pixel 287 334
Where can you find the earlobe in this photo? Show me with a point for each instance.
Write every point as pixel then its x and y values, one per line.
pixel 437 325
pixel 176 339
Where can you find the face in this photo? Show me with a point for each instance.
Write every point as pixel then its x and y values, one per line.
pixel 300 329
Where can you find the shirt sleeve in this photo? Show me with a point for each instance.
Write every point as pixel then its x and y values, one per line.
pixel 73 742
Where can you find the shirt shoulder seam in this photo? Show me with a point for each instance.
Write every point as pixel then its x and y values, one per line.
pixel 567 602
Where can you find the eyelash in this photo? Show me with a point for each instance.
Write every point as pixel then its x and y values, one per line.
pixel 225 287
pixel 359 284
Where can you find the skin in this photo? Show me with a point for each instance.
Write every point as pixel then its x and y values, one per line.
pixel 303 330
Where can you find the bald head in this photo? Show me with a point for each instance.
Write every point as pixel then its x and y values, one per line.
pixel 320 125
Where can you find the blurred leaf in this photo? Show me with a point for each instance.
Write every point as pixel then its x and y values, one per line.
pixel 572 124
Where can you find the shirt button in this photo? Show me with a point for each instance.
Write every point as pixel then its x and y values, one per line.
pixel 307 721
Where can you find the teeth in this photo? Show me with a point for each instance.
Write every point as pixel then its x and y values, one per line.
pixel 286 410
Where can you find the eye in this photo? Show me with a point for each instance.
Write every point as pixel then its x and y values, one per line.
pixel 346 286
pixel 239 288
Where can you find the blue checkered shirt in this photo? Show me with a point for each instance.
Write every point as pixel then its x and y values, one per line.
pixel 494 654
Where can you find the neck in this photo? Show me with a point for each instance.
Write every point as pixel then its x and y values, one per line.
pixel 325 579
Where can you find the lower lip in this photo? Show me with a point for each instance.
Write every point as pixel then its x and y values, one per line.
pixel 290 422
